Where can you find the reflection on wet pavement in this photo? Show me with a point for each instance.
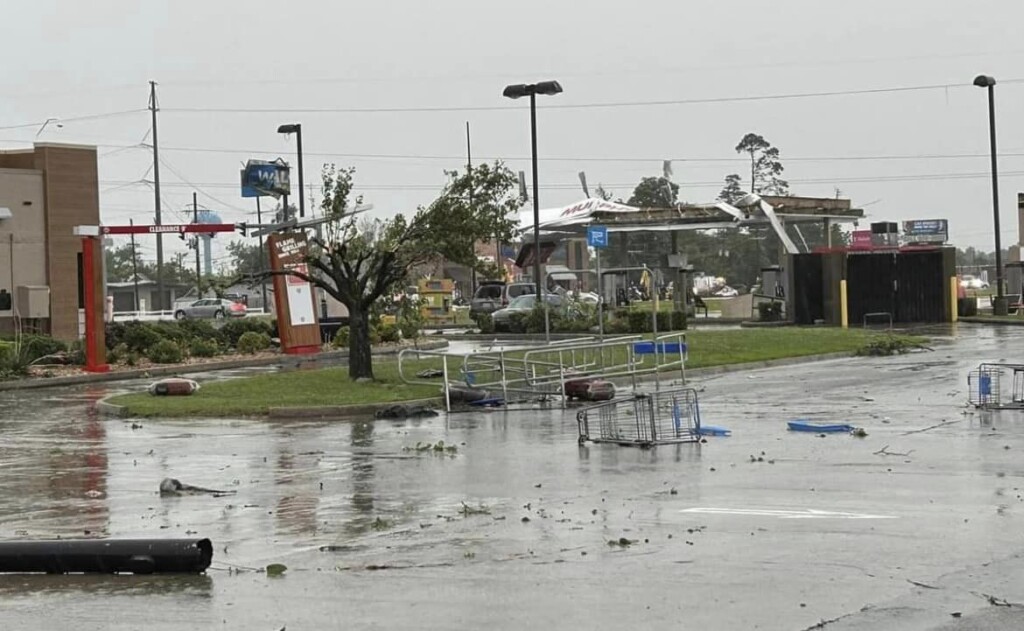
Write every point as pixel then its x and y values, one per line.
pixel 520 525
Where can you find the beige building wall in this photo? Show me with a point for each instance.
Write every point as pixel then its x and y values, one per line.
pixel 61 183
pixel 23 237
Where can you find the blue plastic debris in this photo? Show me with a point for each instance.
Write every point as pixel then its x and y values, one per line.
pixel 803 425
pixel 712 430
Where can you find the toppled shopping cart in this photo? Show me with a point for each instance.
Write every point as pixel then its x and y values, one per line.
pixel 986 387
pixel 644 420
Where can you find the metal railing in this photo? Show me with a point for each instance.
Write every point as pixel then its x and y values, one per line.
pixel 544 370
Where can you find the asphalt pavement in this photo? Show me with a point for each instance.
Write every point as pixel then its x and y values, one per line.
pixel 519 526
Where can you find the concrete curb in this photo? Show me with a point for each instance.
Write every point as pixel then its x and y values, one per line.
pixel 191 369
pixel 768 363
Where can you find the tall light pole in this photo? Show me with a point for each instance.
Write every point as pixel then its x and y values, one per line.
pixel 999 306
pixel 532 90
pixel 296 128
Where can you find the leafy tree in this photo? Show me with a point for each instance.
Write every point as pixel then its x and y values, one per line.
pixel 655 192
pixel 247 258
pixel 119 263
pixel 357 261
pixel 732 192
pixel 765 165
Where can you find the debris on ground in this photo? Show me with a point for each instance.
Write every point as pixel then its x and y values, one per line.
pixel 402 410
pixel 430 373
pixel 170 486
pixel 173 386
pixel 805 425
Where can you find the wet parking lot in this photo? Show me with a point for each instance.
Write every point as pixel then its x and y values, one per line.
pixel 518 525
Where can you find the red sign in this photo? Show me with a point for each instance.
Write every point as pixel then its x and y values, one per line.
pixel 203 228
pixel 860 238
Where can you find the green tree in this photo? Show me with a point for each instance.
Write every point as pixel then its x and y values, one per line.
pixel 119 263
pixel 732 191
pixel 357 261
pixel 765 165
pixel 655 192
pixel 247 258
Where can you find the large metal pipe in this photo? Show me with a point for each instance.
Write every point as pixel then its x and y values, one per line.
pixel 107 556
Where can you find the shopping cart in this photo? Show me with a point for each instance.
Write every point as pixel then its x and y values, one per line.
pixel 666 417
pixel 985 386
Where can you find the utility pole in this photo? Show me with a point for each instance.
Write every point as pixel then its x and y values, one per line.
pixel 135 268
pixel 469 170
pixel 199 273
pixel 156 203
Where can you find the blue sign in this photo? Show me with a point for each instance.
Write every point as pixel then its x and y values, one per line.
pixel 597 236
pixel 260 178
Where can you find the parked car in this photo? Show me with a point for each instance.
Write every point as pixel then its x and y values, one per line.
pixel 502 318
pixel 493 295
pixel 972 282
pixel 725 292
pixel 216 308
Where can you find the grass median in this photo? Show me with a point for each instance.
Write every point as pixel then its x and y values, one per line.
pixel 253 396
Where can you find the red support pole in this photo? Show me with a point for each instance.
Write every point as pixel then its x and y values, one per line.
pixel 95 355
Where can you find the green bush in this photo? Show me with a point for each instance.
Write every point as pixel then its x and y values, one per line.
pixel 202 330
pixel 164 352
pixel 117 354
pixel 199 347
pixel 76 353
pixel 374 335
pixel 233 330
pixel 252 342
pixel 484 322
pixel 617 326
pixel 137 336
pixel 769 311
pixel 341 338
pixel 169 330
pixel 13 361
pixel 389 333
pixel 638 321
pixel 679 321
pixel 35 346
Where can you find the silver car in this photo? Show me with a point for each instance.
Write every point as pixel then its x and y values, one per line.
pixel 215 308
pixel 502 318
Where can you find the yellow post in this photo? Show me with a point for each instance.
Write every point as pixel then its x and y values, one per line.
pixel 954 295
pixel 843 315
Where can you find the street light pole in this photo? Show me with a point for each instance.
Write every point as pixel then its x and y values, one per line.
pixel 536 203
pixel 999 306
pixel 296 128
pixel 532 90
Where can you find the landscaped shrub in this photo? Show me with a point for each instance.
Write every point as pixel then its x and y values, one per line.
pixel 341 338
pixel 117 354
pixel 389 333
pixel 76 353
pixel 233 330
pixel 252 342
pixel 138 337
pixel 13 361
pixel 638 322
pixel 164 352
pixel 484 322
pixel 769 311
pixel 202 330
pixel 35 346
pixel 678 320
pixel 199 347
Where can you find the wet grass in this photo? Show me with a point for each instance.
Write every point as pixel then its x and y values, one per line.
pixel 253 396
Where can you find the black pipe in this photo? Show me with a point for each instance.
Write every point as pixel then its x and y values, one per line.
pixel 107 556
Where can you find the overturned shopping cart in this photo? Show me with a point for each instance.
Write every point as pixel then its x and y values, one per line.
pixel 644 420
pixel 987 386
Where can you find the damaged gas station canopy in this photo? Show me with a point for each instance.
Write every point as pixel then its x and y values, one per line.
pixel 751 210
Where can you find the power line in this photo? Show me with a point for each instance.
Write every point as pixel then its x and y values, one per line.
pixel 570 106
pixel 75 119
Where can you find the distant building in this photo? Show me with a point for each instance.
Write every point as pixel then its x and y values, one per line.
pixel 45 192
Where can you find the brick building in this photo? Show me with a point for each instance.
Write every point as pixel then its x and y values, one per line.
pixel 45 192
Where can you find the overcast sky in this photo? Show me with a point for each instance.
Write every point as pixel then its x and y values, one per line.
pixel 913 154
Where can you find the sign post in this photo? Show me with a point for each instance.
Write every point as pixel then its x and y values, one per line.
pixel 597 238
pixel 297 322
pixel 926 231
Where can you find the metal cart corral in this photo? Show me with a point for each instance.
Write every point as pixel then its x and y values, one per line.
pixel 986 386
pixel 665 417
